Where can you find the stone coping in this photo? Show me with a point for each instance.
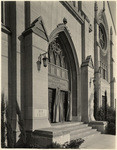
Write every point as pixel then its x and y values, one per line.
pixel 5 29
pixel 98 123
pixel 50 133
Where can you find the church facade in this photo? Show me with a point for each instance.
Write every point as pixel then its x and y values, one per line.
pixel 57 60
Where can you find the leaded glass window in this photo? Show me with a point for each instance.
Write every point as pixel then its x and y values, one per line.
pixel 102 37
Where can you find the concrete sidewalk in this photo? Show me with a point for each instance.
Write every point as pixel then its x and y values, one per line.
pixel 100 141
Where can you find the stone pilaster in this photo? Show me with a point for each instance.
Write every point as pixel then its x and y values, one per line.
pixel 87 90
pixel 97 74
pixel 111 70
pixel 36 81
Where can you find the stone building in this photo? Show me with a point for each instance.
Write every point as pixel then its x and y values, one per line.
pixel 55 58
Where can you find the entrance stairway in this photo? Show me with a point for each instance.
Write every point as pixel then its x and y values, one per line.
pixel 63 132
pixel 76 129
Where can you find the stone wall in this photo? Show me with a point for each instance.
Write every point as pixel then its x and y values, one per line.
pixel 4 65
pixel 19 16
pixel 53 14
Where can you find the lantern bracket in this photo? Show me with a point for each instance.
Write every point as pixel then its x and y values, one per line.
pixel 45 60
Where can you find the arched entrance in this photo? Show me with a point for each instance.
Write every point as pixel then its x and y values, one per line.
pixel 63 72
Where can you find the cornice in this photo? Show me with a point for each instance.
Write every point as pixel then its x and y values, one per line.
pixel 5 29
pixel 38 28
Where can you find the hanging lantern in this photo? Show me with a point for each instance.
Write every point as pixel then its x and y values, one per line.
pixel 39 63
pixel 45 61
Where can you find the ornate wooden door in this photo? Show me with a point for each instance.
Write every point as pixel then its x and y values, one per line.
pixel 51 97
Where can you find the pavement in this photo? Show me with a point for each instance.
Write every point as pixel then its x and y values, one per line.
pixel 99 141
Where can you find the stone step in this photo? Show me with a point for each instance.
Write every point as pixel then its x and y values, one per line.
pixel 75 130
pixel 84 134
pixel 80 130
pixel 72 128
pixel 66 124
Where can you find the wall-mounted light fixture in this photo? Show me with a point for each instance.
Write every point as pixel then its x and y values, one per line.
pixel 45 60
pixel 90 28
pixel 92 79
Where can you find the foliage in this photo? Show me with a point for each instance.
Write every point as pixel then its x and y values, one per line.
pixel 6 125
pixel 72 144
pixel 111 116
pixel 6 128
pixel 31 141
pixel 55 145
pixel 21 124
pixel 100 114
pixel 3 122
pixel 10 135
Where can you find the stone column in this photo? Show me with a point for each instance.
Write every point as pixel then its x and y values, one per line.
pixel 97 74
pixel 87 90
pixel 111 70
pixel 36 81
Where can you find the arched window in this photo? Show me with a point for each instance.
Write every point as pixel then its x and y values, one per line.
pixel 102 37
pixel 103 46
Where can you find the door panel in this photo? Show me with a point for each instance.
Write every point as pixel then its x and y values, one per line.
pixel 64 104
pixel 51 96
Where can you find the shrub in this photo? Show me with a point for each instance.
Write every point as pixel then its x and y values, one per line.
pixel 72 144
pixel 3 122
pixel 6 125
pixel 110 117
pixel 10 135
pixel 111 128
pixel 55 145
pixel 21 124
pixel 100 114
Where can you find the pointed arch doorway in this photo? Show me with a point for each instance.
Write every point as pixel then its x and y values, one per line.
pixel 63 70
